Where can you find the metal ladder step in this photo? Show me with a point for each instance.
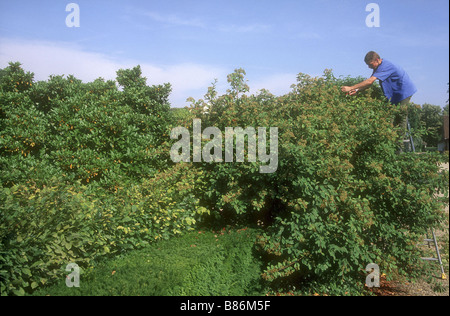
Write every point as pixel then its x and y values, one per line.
pixel 434 241
pixel 430 259
pixel 428 240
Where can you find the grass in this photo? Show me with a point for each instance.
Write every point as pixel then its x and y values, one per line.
pixel 196 264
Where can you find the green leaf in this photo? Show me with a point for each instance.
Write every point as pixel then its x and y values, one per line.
pixel 19 292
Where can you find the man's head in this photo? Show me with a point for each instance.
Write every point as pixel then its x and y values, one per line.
pixel 373 60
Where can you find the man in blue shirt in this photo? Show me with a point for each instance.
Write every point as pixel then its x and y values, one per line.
pixel 394 81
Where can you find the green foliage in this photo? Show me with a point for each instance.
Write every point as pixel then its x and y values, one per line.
pixel 41 229
pixel 432 118
pixel 91 132
pixel 45 228
pixel 197 264
pixel 15 79
pixel 341 197
pixel 84 173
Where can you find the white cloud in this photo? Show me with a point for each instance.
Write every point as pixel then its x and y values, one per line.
pixel 187 79
pixel 178 20
pixel 246 28
pixel 277 84
pixel 49 58
pixel 173 19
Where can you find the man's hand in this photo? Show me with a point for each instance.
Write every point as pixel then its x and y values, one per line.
pixel 360 86
pixel 346 89
pixel 349 90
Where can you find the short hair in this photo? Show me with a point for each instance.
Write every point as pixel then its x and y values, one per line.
pixel 371 56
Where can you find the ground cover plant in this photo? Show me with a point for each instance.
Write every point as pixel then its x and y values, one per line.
pixel 86 176
pixel 197 264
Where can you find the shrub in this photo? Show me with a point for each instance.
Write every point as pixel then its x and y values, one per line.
pixel 341 197
pixel 84 173
pixel 45 228
pixel 91 132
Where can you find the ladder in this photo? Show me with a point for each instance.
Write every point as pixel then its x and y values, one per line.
pixel 433 234
pixel 412 148
pixel 434 240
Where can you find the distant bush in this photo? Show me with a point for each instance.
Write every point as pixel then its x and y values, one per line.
pixel 91 132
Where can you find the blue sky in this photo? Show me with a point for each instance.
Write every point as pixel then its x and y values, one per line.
pixel 189 43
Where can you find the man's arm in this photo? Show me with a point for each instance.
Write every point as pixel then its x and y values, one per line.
pixel 360 86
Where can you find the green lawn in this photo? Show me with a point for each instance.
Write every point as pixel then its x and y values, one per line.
pixel 196 264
